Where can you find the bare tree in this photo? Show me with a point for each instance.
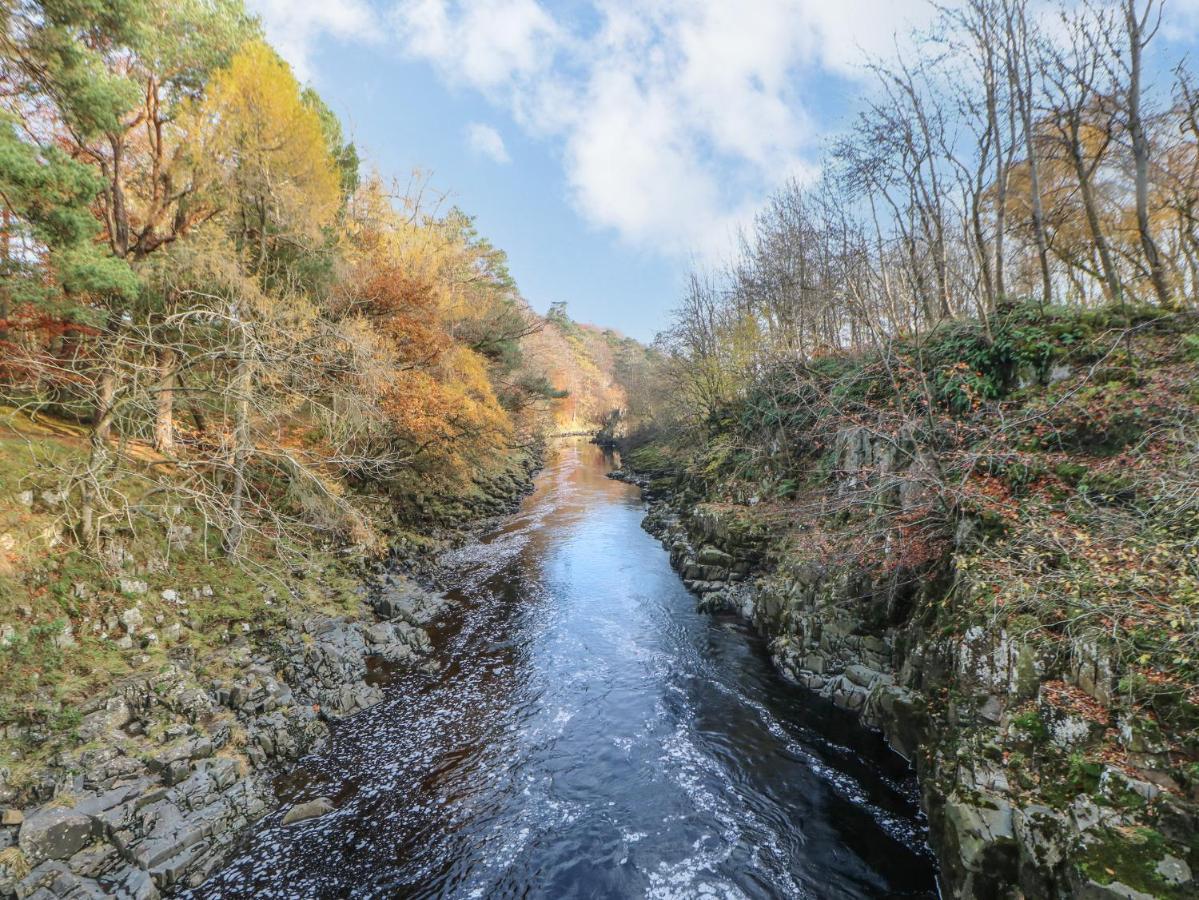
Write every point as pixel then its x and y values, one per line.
pixel 1077 107
pixel 1140 27
pixel 1018 60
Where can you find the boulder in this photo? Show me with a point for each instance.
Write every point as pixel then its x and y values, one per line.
pixel 132 619
pixel 864 677
pixel 712 556
pixel 132 587
pixel 115 713
pixel 55 833
pixel 54 499
pixel 310 809
pixel 980 829
pixel 1172 870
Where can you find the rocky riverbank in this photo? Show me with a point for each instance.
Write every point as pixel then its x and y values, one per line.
pixel 165 770
pixel 1002 730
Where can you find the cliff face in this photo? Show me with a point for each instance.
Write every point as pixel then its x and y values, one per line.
pixel 1016 616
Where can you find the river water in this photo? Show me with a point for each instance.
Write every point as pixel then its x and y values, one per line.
pixel 591 735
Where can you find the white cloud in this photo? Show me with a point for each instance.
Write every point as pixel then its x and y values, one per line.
pixel 485 43
pixel 486 141
pixel 294 26
pixel 676 117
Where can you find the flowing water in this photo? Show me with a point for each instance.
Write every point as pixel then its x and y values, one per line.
pixel 592 735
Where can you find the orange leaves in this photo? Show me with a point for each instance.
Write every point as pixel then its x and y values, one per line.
pixel 398 297
pixel 417 406
pixel 1068 698
pixel 402 307
pixel 454 409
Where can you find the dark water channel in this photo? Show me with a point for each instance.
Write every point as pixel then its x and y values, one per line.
pixel 592 735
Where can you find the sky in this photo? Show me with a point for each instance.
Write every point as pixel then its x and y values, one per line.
pixel 608 146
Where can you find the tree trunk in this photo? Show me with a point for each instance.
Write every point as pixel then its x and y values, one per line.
pixel 6 257
pixel 1020 74
pixel 1111 276
pixel 1038 214
pixel 1140 150
pixel 106 393
pixel 243 384
pixel 97 462
pixel 164 418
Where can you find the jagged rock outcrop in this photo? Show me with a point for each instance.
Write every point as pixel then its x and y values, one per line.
pixel 175 769
pixel 970 704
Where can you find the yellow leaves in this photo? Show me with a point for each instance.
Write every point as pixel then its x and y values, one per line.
pixel 259 129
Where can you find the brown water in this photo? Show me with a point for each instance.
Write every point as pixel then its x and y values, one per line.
pixel 592 735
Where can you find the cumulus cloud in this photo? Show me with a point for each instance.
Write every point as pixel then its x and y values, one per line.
pixel 675 117
pixel 486 44
pixel 294 26
pixel 486 141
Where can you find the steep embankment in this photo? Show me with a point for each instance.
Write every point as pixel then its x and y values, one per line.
pixel 988 546
pixel 151 696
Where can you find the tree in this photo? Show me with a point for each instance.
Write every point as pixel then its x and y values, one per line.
pixel 1140 27
pixel 1018 51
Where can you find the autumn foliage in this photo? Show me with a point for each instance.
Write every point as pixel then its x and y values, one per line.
pixel 194 258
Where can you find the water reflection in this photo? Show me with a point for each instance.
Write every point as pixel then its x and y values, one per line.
pixel 592 736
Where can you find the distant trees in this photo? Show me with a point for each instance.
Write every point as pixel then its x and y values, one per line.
pixel 1026 152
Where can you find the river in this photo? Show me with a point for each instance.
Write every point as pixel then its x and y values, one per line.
pixel 591 735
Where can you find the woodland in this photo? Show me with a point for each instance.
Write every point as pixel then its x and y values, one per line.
pixel 947 398
pixel 943 397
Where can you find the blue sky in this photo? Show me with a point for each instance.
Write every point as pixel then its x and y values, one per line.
pixel 607 145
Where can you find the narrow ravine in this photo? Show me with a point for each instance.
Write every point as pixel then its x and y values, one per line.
pixel 591 735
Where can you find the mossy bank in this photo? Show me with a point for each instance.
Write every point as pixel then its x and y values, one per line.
pixel 151 694
pixel 987 545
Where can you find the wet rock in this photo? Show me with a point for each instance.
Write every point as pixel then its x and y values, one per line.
pixel 310 809
pixel 398 597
